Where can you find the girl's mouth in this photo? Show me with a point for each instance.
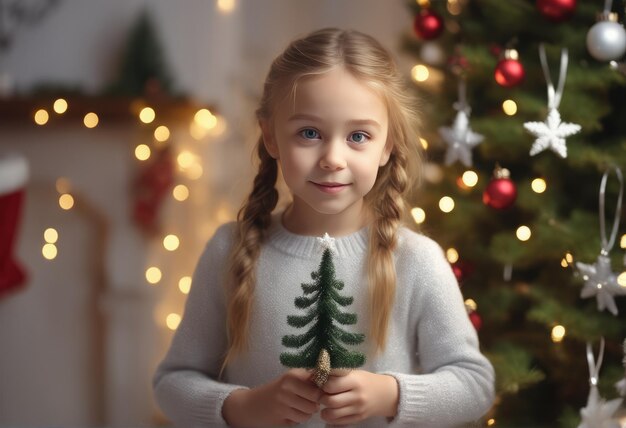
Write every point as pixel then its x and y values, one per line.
pixel 330 187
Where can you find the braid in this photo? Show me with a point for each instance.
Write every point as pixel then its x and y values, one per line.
pixel 253 219
pixel 383 241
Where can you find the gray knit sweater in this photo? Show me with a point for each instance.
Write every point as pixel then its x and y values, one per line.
pixel 432 348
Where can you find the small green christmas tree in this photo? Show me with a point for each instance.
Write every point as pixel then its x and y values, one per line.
pixel 323 342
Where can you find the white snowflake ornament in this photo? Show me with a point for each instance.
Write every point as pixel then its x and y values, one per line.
pixel 551 134
pixel 327 243
pixel 460 139
pixel 601 282
pixel 599 413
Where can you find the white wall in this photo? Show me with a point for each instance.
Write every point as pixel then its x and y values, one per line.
pixel 217 58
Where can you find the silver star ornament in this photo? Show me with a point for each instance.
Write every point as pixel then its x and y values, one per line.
pixel 551 134
pixel 601 282
pixel 460 140
pixel 599 413
pixel 327 243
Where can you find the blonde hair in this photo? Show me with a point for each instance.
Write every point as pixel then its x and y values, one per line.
pixel 368 61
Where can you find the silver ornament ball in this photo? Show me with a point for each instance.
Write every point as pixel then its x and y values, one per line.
pixel 606 41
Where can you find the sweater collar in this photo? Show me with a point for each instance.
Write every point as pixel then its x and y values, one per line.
pixel 354 244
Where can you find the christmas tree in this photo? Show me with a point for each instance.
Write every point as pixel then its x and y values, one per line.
pixel 525 111
pixel 323 341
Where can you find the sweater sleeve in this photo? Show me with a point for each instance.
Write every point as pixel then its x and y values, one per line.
pixel 456 383
pixel 184 384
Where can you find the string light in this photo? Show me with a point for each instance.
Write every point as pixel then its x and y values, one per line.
pixel 142 152
pixel 205 119
pixel 172 321
pixel 66 201
pixel 153 275
pixel 446 204
pixel 41 117
pixel 622 242
pixel 470 178
pixel 558 333
pixel 91 120
pixel 424 143
pixel 420 73
pixel 184 285
pixel 523 233
pixel 538 185
pixel 454 7
pixel 51 235
pixel 452 255
pixel 171 242
pixel 471 304
pixel 49 251
pixel 60 106
pixel 185 159
pixel 491 422
pixel 180 192
pixel 226 6
pixel 162 134
pixel 509 107
pixel 418 214
pixel 621 279
pixel 147 115
pixel 195 171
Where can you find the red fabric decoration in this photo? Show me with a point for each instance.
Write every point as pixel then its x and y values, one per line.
pixel 12 275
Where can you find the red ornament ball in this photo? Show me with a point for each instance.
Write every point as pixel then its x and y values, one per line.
pixel 428 24
pixel 509 72
pixel 462 269
pixel 476 320
pixel 556 10
pixel 500 193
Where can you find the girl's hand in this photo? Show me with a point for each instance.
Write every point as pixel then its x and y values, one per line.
pixel 357 396
pixel 288 400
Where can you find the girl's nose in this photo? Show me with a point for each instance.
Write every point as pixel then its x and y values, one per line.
pixel 333 157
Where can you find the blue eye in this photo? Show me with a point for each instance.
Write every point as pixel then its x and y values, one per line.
pixel 310 134
pixel 358 137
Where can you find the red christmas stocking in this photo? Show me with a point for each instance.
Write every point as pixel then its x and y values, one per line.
pixel 13 172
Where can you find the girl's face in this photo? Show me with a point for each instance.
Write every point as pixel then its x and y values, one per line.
pixel 330 140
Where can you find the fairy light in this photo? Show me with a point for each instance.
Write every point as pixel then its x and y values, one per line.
pixel 621 279
pixel 470 178
pixel 153 275
pixel 452 255
pixel 538 185
pixel 180 192
pixel 51 235
pixel 197 132
pixel 569 258
pixel 195 171
pixel 185 159
pixel 491 422
pixel 622 242
pixel 509 107
pixel 558 333
pixel 226 6
pixel 184 284
pixel 446 204
pixel 420 73
pixel 454 7
pixel 49 251
pixel 91 120
pixel 172 321
pixel 424 143
pixel 471 304
pixel 171 242
pixel 142 152
pixel 147 115
pixel 564 263
pixel 523 233
pixel 423 3
pixel 41 117
pixel 418 214
pixel 162 134
pixel 205 119
pixel 60 106
pixel 66 201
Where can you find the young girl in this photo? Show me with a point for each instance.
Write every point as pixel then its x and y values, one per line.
pixel 337 120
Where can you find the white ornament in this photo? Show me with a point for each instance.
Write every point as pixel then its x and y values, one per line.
pixel 621 387
pixel 599 413
pixel 601 282
pixel 606 41
pixel 327 243
pixel 460 140
pixel 551 133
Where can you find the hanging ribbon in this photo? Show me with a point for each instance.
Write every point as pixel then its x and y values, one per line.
pixel 607 245
pixel 554 97
pixel 594 369
pixel 461 104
